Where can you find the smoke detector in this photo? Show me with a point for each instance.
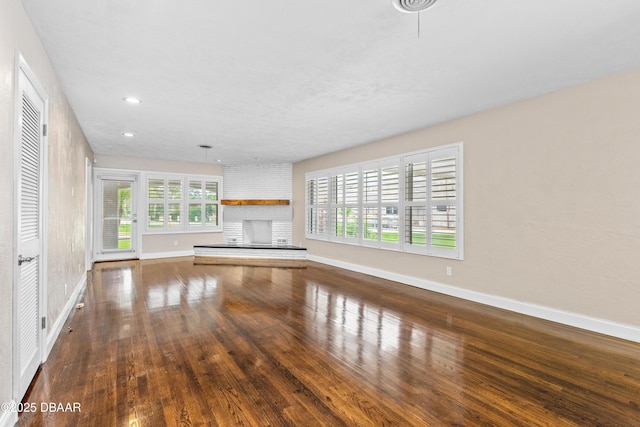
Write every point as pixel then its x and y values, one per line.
pixel 412 6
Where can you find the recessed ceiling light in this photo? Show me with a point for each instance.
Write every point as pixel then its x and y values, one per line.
pixel 131 100
pixel 128 134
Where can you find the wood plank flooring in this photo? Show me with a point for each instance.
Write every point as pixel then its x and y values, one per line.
pixel 167 342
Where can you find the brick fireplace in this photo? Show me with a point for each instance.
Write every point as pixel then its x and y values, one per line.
pixel 258 223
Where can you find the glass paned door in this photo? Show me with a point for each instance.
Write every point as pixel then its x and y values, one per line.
pixel 117 217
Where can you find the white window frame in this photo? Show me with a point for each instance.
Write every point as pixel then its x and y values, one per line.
pixel 203 201
pixel 184 201
pixel 429 204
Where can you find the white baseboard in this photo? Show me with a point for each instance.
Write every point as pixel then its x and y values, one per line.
pixel 8 419
pixel 54 332
pixel 176 254
pixel 602 326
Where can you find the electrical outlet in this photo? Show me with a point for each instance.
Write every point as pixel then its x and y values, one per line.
pixel 175 243
pixel 449 271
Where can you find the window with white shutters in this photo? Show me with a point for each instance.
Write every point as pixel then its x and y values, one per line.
pixel 443 201
pixel 178 203
pixel 415 215
pixel 174 204
pixel 155 204
pixel 203 203
pixel 411 203
pixel 432 206
pixel 194 199
pixel 211 203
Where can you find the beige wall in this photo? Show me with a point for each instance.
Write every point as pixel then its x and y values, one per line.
pixel 176 242
pixel 67 149
pixel 552 206
pixel 164 244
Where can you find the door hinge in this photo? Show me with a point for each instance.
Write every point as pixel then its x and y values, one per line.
pixel 44 323
pixel 44 130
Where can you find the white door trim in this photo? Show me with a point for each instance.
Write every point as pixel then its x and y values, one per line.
pixel 114 174
pixel 23 69
pixel 89 257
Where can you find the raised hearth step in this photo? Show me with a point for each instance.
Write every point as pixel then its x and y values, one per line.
pixel 256 255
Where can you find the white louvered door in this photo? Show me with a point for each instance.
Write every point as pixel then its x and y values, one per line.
pixel 29 233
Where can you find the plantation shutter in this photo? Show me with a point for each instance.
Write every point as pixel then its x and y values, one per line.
pixel 323 206
pixel 443 167
pixel 337 205
pixel 370 204
pixel 312 206
pixel 211 207
pixel 155 204
pixel 352 200
pixel 415 215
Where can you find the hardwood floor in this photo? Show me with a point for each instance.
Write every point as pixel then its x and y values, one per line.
pixel 167 342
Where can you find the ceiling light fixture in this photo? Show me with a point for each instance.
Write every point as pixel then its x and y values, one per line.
pixel 128 134
pixel 206 149
pixel 131 100
pixel 412 6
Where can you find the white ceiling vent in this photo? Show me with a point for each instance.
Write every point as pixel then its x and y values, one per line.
pixel 410 6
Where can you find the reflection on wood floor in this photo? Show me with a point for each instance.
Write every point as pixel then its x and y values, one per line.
pixel 166 342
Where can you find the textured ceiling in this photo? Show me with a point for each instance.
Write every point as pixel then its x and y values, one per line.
pixel 285 80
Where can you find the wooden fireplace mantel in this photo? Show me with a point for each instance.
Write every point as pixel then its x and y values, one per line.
pixel 238 202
